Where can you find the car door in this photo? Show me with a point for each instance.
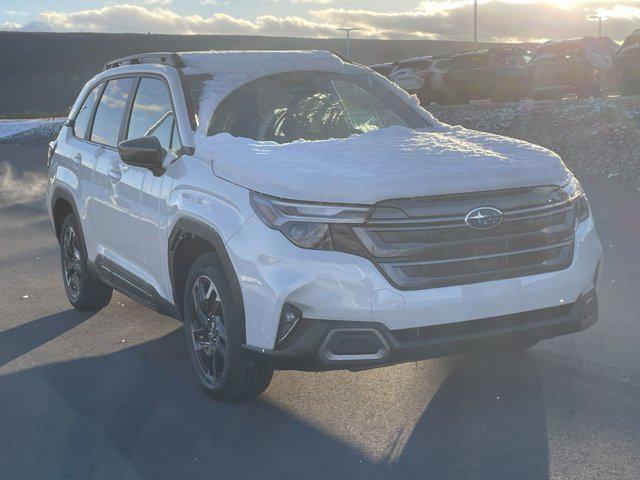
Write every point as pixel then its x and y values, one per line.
pixel 152 114
pixel 115 219
pixel 601 55
pixel 508 74
pixel 462 75
pixel 78 158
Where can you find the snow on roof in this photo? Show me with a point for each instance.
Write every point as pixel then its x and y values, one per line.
pixel 575 40
pixel 418 59
pixel 232 69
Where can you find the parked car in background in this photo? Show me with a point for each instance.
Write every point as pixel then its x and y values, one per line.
pixel 498 73
pixel 383 69
pixel 583 66
pixel 422 76
pixel 627 64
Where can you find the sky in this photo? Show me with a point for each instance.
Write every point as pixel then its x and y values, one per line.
pixel 499 20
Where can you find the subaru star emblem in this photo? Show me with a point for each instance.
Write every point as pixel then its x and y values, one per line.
pixel 483 217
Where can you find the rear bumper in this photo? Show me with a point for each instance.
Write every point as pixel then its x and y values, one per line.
pixel 318 345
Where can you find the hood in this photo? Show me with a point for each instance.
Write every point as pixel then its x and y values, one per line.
pixel 389 163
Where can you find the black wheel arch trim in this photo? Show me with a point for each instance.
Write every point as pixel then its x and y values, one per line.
pixel 187 227
pixel 63 194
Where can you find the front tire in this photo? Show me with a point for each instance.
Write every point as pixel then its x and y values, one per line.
pixel 84 289
pixel 214 330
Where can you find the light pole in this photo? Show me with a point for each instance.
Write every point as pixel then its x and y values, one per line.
pixel 599 18
pixel 348 32
pixel 475 21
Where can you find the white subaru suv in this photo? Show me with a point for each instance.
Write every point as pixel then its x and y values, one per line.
pixel 297 211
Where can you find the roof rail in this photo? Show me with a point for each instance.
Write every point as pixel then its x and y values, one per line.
pixel 165 58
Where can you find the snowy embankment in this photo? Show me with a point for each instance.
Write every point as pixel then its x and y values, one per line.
pixel 30 132
pixel 595 137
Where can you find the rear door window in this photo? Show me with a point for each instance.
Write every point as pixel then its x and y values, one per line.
pixel 152 114
pixel 467 63
pixel 108 119
pixel 415 65
pixel 84 114
pixel 559 53
pixel 602 49
pixel 512 59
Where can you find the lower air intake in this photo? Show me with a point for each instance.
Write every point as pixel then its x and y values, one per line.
pixel 354 344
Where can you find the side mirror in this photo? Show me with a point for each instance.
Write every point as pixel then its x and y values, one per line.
pixel 143 152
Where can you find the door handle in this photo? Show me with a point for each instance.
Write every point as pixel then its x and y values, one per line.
pixel 115 174
pixel 77 158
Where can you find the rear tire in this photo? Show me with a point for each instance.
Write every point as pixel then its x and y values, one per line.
pixel 214 330
pixel 84 289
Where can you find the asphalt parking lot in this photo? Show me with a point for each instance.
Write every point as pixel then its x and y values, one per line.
pixel 112 396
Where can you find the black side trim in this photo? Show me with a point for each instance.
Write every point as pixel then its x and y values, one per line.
pixel 133 287
pixel 185 228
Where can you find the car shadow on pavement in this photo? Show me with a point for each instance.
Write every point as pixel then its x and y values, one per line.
pixel 138 413
pixel 19 340
pixel 487 420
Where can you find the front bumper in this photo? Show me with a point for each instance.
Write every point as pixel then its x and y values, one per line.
pixel 319 345
pixel 336 286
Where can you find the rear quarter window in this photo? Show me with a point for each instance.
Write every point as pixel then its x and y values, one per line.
pixel 83 116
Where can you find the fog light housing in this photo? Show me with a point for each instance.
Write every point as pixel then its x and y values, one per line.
pixel 289 318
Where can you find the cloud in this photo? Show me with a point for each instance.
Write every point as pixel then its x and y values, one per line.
pixel 316 2
pixel 36 26
pixel 526 21
pixel 499 20
pixel 10 26
pixel 139 19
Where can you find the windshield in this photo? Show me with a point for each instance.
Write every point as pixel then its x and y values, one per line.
pixel 554 53
pixel 312 106
pixel 631 40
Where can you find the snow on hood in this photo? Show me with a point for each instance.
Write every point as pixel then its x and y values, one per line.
pixel 389 163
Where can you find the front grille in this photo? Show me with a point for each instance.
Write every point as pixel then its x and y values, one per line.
pixel 424 242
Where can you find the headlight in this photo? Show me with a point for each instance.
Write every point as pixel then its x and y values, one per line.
pixel 305 224
pixel 576 194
